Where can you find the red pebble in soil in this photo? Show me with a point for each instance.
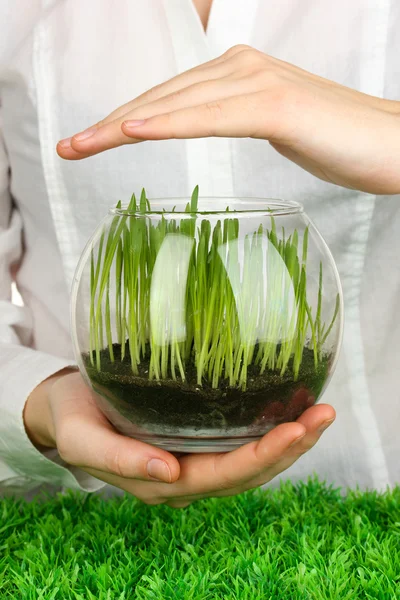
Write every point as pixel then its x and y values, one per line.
pixel 301 400
pixel 273 413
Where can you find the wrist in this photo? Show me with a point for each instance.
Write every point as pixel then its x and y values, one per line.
pixel 37 416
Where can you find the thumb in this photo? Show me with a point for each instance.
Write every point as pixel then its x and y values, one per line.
pixel 86 439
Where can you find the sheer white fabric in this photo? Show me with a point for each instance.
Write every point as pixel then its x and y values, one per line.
pixel 66 64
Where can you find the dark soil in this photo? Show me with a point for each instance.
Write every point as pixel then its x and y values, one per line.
pixel 174 405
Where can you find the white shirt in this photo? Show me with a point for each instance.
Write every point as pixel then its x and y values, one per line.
pixel 64 64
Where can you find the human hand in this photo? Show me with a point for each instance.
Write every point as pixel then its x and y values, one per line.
pixel 62 413
pixel 336 133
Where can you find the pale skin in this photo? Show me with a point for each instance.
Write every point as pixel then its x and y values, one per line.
pixel 62 413
pixel 203 8
pixel 335 133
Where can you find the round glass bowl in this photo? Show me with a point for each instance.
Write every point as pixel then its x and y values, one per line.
pixel 201 328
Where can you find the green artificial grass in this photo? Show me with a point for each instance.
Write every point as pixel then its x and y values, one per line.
pixel 304 541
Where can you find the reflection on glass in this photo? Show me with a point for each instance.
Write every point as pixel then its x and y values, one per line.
pixel 263 290
pixel 168 290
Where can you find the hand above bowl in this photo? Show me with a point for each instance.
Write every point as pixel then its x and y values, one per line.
pixel 336 133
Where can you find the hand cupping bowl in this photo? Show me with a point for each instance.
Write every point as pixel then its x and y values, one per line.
pixel 201 329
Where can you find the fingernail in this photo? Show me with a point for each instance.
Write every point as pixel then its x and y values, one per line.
pixel 159 470
pixel 133 123
pixel 297 440
pixel 79 137
pixel 325 425
pixel 65 143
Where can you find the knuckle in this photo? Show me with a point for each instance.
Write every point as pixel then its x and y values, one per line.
pixel 214 110
pixel 250 58
pixel 115 462
pixel 173 98
pixel 262 459
pixel 223 479
pixel 264 466
pixel 305 446
pixel 167 122
pixel 66 443
pixel 213 114
pixel 237 49
pixel 153 93
pixel 227 483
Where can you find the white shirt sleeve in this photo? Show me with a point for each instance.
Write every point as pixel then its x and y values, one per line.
pixel 22 466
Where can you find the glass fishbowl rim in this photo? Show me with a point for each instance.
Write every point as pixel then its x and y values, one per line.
pixel 248 206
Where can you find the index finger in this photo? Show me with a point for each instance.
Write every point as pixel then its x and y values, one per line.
pixel 208 71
